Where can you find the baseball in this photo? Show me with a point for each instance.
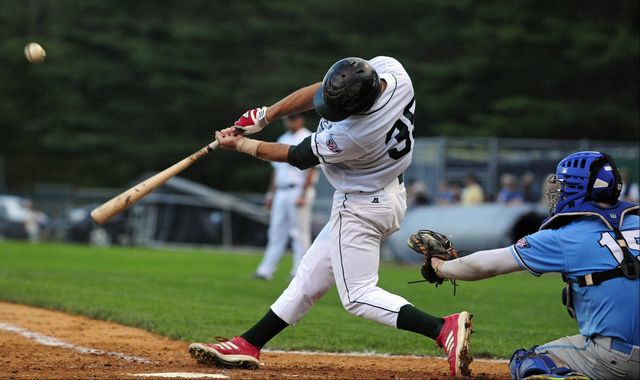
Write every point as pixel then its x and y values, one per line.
pixel 34 52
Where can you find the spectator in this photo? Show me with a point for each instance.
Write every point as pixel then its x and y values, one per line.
pixel 509 193
pixel 417 194
pixel 630 189
pixel 528 187
pixel 448 193
pixel 472 193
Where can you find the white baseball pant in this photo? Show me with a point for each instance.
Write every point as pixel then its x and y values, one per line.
pixel 287 220
pixel 347 253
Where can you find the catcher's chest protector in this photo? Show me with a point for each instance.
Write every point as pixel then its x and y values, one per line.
pixel 612 218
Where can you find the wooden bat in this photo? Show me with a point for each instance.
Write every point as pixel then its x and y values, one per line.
pixel 123 201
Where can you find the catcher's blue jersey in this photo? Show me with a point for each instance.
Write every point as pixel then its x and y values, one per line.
pixel 585 246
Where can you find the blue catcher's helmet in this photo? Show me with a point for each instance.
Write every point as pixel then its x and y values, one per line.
pixel 582 177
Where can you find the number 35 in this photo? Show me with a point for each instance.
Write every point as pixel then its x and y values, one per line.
pixel 403 134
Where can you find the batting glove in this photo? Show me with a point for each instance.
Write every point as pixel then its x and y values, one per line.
pixel 252 121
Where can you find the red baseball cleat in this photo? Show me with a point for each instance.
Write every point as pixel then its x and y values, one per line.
pixel 454 340
pixel 235 352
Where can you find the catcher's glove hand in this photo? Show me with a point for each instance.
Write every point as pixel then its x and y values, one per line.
pixel 432 244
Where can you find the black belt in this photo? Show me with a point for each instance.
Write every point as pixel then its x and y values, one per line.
pixel 284 187
pixel 401 178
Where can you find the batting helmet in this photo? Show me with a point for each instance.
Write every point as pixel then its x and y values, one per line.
pixel 585 176
pixel 350 87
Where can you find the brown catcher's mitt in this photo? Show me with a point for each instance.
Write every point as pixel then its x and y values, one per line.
pixel 432 244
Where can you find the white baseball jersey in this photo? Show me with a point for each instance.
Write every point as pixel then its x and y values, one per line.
pixel 366 152
pixel 286 174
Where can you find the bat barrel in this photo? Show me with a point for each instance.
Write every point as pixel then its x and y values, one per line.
pixel 123 201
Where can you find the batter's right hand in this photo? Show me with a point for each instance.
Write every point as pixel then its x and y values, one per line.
pixel 252 121
pixel 228 138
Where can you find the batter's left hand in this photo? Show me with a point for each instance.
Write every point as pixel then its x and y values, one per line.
pixel 301 201
pixel 252 121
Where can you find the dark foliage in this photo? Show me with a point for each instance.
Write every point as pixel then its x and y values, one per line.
pixel 132 86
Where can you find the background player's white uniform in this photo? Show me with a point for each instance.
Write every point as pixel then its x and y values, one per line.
pixel 288 219
pixel 362 157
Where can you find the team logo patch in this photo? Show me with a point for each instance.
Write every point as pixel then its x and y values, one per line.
pixel 522 243
pixel 331 144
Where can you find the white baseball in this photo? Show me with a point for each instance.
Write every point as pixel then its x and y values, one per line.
pixel 34 52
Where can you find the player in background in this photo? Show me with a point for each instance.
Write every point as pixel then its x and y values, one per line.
pixel 592 238
pixel 363 145
pixel 290 199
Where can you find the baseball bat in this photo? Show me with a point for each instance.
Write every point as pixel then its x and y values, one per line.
pixel 123 201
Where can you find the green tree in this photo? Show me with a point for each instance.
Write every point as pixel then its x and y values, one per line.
pixel 129 87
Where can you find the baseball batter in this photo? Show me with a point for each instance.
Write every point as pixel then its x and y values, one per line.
pixel 592 239
pixel 290 198
pixel 363 145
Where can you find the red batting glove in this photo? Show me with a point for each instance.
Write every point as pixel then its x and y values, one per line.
pixel 252 121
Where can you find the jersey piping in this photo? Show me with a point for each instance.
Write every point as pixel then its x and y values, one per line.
pixel 315 141
pixel 388 100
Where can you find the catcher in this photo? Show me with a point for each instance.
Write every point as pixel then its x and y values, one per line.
pixel 592 239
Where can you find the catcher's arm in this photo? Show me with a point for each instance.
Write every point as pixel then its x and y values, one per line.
pixel 477 266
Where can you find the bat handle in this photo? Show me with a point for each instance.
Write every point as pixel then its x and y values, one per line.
pixel 213 146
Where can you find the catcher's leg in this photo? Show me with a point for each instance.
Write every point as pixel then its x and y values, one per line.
pixel 597 358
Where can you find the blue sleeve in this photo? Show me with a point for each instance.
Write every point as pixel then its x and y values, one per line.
pixel 540 253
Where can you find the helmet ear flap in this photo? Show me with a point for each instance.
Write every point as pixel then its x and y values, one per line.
pixel 616 175
pixel 609 193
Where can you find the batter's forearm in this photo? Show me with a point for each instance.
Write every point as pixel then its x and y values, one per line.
pixel 273 151
pixel 480 265
pixel 297 102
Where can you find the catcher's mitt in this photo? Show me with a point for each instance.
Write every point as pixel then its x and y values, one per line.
pixel 432 244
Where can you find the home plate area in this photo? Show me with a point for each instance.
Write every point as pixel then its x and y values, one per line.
pixel 182 375
pixel 38 343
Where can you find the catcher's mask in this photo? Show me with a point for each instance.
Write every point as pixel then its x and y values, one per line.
pixel 553 193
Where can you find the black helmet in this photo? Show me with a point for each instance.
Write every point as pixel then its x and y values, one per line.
pixel 350 87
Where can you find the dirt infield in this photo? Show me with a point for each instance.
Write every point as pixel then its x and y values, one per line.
pixel 37 343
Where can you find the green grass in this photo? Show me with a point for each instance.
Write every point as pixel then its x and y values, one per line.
pixel 197 295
